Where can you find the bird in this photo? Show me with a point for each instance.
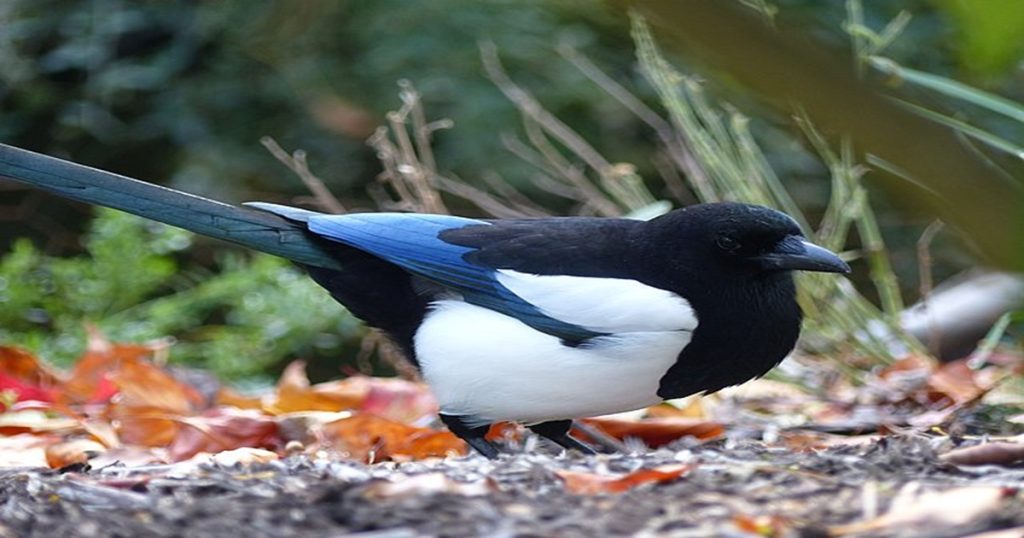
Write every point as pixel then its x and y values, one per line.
pixel 538 321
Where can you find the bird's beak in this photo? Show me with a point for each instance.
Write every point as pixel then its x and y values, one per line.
pixel 795 253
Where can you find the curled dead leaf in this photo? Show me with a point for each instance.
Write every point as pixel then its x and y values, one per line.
pixel 581 483
pixel 931 510
pixel 994 453
pixel 72 451
pixel 657 432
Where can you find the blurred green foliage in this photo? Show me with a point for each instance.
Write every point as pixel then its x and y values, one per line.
pixel 180 93
pixel 241 319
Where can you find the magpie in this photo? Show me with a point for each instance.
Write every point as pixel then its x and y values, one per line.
pixel 536 321
pixel 540 321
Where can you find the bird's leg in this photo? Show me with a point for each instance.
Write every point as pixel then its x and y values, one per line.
pixel 558 431
pixel 474 436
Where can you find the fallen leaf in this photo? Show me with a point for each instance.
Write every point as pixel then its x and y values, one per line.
pixel 993 453
pixel 423 485
pixel 371 438
pixel 72 451
pixel 25 376
pixel 23 365
pixel 910 363
pixel 145 385
pixel 657 432
pixel 581 483
pixel 931 510
pixel 221 429
pixel 294 392
pixel 762 525
pixel 955 382
pixel 90 380
pixel 398 399
pixel 233 398
pixel 145 426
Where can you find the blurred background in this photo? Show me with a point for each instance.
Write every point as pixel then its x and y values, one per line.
pixel 182 94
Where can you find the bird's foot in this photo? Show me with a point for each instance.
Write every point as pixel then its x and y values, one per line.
pixel 558 431
pixel 473 436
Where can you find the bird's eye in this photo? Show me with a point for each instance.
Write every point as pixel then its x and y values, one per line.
pixel 727 243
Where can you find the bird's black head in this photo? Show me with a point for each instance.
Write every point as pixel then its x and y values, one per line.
pixel 746 239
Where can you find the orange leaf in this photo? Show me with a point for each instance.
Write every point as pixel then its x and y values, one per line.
pixel 909 363
pixel 294 392
pixel 26 376
pixel 146 426
pixel 90 377
pixel 229 397
pixel 64 453
pixel 224 429
pixel 22 365
pixel 954 381
pixel 399 400
pixel 657 432
pixel 595 484
pixel 144 385
pixel 368 437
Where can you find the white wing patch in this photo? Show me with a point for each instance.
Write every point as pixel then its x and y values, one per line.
pixel 607 305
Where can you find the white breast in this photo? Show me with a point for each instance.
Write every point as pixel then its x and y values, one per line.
pixel 490 367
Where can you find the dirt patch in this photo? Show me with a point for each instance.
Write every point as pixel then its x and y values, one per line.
pixel 729 488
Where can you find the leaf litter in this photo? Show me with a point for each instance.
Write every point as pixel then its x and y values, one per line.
pixel 121 445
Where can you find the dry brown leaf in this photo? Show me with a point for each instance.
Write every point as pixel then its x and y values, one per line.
pixel 230 397
pixel 23 365
pixel 910 363
pixel 371 438
pixel 398 399
pixel 294 392
pixel 147 386
pixel 994 453
pixel 657 432
pixel 762 525
pixel 90 379
pixel 72 451
pixel 144 426
pixel 955 381
pixel 931 510
pixel 423 485
pixel 581 483
pixel 221 429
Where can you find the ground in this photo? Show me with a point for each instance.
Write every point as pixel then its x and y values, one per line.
pixel 727 487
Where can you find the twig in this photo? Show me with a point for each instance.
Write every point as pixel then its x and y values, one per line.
pixel 296 162
pixel 539 121
pixel 924 268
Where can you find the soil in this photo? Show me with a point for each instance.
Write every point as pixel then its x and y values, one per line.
pixel 731 488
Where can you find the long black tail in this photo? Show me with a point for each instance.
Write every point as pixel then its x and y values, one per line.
pixel 254 229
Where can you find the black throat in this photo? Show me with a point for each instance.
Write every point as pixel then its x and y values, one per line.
pixel 745 328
